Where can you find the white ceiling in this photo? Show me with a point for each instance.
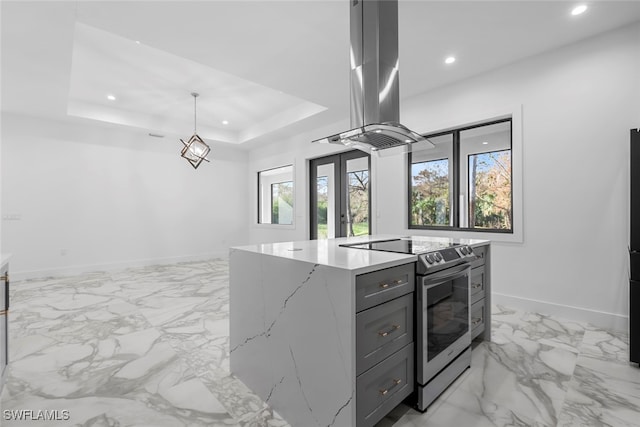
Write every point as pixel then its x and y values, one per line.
pixel 271 68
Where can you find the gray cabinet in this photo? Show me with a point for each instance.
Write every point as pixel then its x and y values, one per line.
pixel 384 341
pixel 383 387
pixel 4 321
pixel 481 293
pixel 383 330
pixel 383 285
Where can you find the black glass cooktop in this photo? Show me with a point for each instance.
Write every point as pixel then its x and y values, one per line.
pixel 404 246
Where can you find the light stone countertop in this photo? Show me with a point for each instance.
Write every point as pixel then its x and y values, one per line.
pixel 328 252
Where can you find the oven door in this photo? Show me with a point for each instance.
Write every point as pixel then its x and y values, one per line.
pixel 443 319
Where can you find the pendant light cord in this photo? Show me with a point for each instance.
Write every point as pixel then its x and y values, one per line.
pixel 195 111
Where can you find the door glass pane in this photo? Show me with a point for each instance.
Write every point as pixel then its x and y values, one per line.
pixel 488 176
pixel 357 213
pixel 326 207
pixel 431 181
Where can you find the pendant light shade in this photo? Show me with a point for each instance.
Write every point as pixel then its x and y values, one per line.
pixel 195 150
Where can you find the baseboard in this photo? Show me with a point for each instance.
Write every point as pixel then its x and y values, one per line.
pixel 110 267
pixel 602 319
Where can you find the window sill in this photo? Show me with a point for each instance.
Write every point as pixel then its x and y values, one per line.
pixel 275 226
pixel 494 236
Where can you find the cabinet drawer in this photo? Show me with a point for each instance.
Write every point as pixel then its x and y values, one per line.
pixel 477 318
pixel 481 252
pixel 383 330
pixel 477 284
pixel 380 286
pixel 384 386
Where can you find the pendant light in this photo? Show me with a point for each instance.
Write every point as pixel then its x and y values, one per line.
pixel 195 150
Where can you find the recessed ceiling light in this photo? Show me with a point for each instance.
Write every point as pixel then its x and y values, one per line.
pixel 485 143
pixel 450 60
pixel 579 9
pixel 137 41
pixel 225 122
pixel 408 141
pixel 111 97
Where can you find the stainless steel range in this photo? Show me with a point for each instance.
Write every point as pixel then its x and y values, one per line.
pixel 443 331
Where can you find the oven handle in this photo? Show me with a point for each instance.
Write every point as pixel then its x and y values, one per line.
pixel 444 275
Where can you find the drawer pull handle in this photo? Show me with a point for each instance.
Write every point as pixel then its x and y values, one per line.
pixel 385 333
pixel 393 282
pixel 476 285
pixel 4 278
pixel 384 391
pixel 475 321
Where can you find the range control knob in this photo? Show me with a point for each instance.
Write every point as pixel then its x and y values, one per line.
pixel 438 256
pixel 469 250
pixel 429 259
pixel 463 250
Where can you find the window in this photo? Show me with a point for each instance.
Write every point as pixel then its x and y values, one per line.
pixel 465 182
pixel 282 203
pixel 490 190
pixel 275 196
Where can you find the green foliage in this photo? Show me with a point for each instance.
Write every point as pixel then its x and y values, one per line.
pixel 491 190
pixel 281 192
pixel 430 193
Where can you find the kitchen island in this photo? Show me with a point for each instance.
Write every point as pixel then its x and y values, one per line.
pixel 293 328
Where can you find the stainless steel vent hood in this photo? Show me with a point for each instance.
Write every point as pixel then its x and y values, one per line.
pixel 375 109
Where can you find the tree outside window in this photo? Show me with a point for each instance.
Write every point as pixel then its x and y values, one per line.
pixel 430 192
pixel 490 190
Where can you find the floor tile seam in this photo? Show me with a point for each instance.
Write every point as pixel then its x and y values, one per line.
pixel 616 395
pixel 555 345
pixel 608 374
pixel 166 338
pixel 481 402
pixel 216 392
pixel 75 312
pixel 6 398
pixel 480 399
pixel 11 368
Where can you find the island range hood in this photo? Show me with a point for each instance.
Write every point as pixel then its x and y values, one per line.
pixel 375 106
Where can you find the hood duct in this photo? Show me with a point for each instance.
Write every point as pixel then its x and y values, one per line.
pixel 375 106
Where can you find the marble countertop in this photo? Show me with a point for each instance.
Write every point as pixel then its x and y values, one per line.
pixel 4 259
pixel 329 252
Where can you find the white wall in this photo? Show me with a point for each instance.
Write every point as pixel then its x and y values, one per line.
pixel 98 197
pixel 578 104
pixel 296 152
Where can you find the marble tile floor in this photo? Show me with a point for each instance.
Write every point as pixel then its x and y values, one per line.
pixel 149 347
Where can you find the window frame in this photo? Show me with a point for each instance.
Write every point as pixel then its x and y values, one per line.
pixel 492 230
pixel 258 211
pixel 436 227
pixel 271 207
pixel 456 180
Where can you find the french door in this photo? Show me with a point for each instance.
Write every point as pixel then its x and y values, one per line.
pixel 340 195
